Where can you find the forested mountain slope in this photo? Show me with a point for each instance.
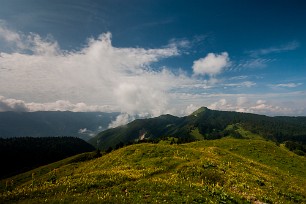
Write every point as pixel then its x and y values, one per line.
pixel 205 124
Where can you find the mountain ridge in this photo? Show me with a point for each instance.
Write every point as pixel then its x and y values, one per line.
pixel 206 124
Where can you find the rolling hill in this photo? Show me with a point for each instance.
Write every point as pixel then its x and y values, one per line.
pixel 205 124
pixel 53 123
pixel 224 170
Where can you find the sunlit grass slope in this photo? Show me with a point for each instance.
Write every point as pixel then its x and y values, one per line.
pixel 221 171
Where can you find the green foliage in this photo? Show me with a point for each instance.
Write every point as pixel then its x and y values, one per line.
pixel 196 134
pixel 211 171
pixel 296 147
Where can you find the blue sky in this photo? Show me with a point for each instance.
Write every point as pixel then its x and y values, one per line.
pixel 153 57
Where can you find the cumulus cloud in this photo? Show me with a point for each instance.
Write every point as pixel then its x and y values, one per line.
pixel 97 74
pixel 212 64
pixel 98 77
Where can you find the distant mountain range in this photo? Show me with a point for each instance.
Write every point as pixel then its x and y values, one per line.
pixel 54 123
pixel 205 124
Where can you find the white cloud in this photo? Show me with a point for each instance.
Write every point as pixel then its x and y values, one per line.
pixel 8 104
pixel 39 46
pixel 83 130
pixel 239 77
pixel 260 106
pixel 32 43
pixel 263 107
pixel 62 105
pixel 219 105
pixel 97 74
pixel 242 105
pixel 9 39
pixel 190 109
pixel 241 101
pixel 256 63
pixel 252 63
pixel 289 85
pixel 247 84
pixel 121 119
pixel 136 98
pixel 260 101
pixel 8 35
pixel 276 49
pixel 212 64
pixel 183 43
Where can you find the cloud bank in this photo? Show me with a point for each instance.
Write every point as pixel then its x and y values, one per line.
pixel 9 104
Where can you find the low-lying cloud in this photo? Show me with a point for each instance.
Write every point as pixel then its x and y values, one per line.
pixel 9 104
pixel 121 119
pixel 12 105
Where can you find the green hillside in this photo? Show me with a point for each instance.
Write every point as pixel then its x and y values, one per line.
pixel 205 124
pixel 226 170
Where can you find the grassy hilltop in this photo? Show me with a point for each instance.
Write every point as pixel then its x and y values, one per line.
pixel 226 170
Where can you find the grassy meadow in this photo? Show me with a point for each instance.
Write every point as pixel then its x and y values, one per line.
pixel 211 171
